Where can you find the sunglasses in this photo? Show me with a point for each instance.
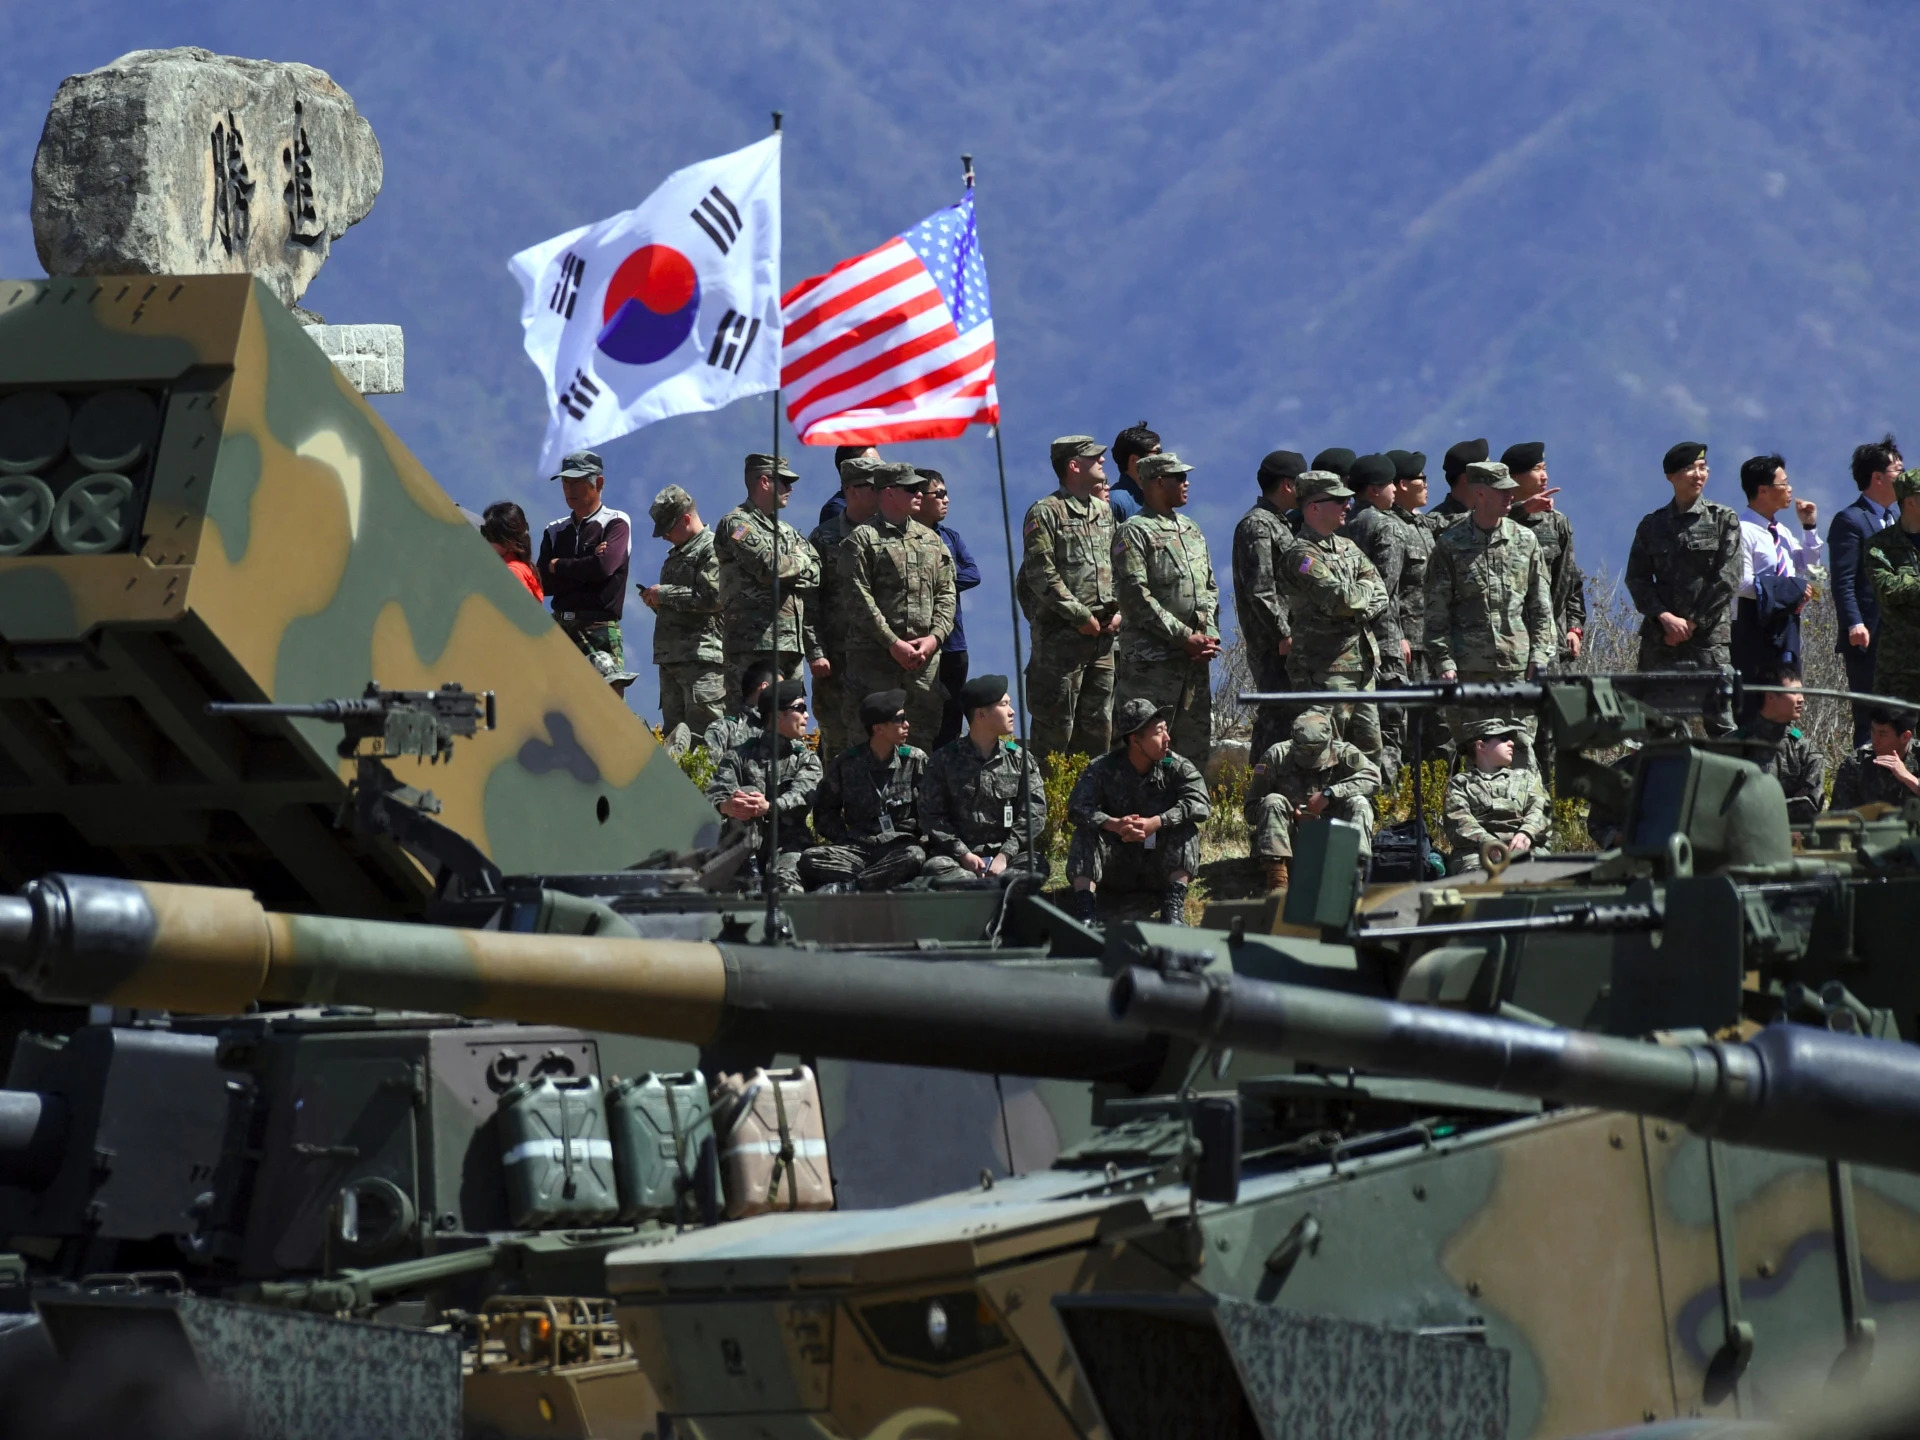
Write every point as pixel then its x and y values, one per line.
pixel 799 707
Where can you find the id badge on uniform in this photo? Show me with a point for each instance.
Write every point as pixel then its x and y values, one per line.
pixel 1006 815
pixel 1152 841
pixel 886 824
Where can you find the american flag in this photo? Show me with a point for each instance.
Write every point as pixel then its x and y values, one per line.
pixel 895 344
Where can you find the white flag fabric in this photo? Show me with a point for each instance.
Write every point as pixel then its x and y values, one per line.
pixel 667 309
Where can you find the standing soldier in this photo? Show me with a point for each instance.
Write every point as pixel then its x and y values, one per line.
pixel 981 797
pixel 900 603
pixel 1066 589
pixel 1262 541
pixel 1892 563
pixel 1334 597
pixel 745 542
pixel 828 612
pixel 1454 465
pixel 1553 533
pixel 1683 572
pixel 1489 613
pixel 1410 498
pixel 1381 537
pixel 1171 608
pixel 583 567
pixel 686 626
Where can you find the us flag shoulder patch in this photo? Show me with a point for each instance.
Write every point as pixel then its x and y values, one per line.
pixel 1306 564
pixel 739 531
pixel 1032 525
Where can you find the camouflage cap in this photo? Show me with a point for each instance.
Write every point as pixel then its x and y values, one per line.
pixel 1136 715
pixel 1907 486
pixel 897 475
pixel 858 472
pixel 1491 473
pixel 1321 485
pixel 668 506
pixel 767 464
pixel 579 464
pixel 1068 446
pixel 1490 727
pixel 1153 467
pixel 1312 733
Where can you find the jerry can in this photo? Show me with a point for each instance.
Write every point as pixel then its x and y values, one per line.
pixel 556 1153
pixel 664 1156
pixel 773 1152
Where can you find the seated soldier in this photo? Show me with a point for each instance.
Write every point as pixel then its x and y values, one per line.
pixel 867 808
pixel 981 796
pixel 1885 769
pixel 1790 757
pixel 1136 814
pixel 743 724
pixel 1489 799
pixel 739 785
pixel 1310 775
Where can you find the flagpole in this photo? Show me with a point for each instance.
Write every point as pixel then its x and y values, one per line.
pixel 1013 603
pixel 771 929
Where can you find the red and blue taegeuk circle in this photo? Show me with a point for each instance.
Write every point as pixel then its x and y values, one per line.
pixel 652 302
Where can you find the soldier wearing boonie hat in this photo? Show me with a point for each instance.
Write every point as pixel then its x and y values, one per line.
pixel 1311 775
pixel 1136 813
pixel 867 809
pixel 1067 592
pixel 583 567
pixel 827 613
pixel 1170 602
pixel 686 627
pixel 747 539
pixel 1492 799
pixel 1891 560
pixel 1338 603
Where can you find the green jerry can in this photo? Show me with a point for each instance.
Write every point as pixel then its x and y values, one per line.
pixel 556 1153
pixel 664 1156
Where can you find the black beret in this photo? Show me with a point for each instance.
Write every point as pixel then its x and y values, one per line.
pixel 1407 464
pixel 1524 456
pixel 1337 459
pixel 1682 455
pixel 1283 465
pixel 1371 470
pixel 881 707
pixel 779 697
pixel 1467 452
pixel 982 690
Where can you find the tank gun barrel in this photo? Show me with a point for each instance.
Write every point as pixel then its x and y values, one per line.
pixel 84 940
pixel 1792 1087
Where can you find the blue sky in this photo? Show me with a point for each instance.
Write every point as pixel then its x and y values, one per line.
pixel 1608 226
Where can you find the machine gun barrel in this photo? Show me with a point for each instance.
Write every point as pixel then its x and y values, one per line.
pixel 334 711
pixel 1792 1087
pixel 84 940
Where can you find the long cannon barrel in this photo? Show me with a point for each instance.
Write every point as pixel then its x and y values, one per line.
pixel 83 940
pixel 1792 1087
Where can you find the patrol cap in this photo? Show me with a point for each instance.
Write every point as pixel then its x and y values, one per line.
pixel 1491 727
pixel 765 464
pixel 883 707
pixel 1371 470
pixel 857 472
pixel 579 464
pixel 1153 467
pixel 1282 465
pixel 1312 733
pixel 897 475
pixel 1321 485
pixel 779 697
pixel 1407 464
pixel 1068 446
pixel 1906 486
pixel 1338 459
pixel 668 506
pixel 1491 473
pixel 982 690
pixel 1458 457
pixel 1681 456
pixel 1136 715
pixel 1524 456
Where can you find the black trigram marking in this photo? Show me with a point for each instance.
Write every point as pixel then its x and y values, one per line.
pixel 715 215
pixel 566 289
pixel 578 397
pixel 731 341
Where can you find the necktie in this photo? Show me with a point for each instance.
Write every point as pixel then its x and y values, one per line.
pixel 1779 549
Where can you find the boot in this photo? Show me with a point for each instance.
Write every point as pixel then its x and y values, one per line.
pixel 1173 908
pixel 1086 907
pixel 1277 877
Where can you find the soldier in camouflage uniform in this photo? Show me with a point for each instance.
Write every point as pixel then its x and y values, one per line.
pixel 686 626
pixel 1489 613
pixel 1683 573
pixel 1170 606
pixel 1136 813
pixel 867 808
pixel 1789 757
pixel 1067 593
pixel 1885 770
pixel 1372 525
pixel 1454 465
pixel 982 796
pixel 740 783
pixel 1491 798
pixel 901 602
pixel 1892 562
pixel 1553 533
pixel 1410 498
pixel 741 723
pixel 1335 599
pixel 827 614
pixel 1310 775
pixel 745 541
pixel 1266 535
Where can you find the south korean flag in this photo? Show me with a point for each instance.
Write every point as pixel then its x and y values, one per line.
pixel 667 309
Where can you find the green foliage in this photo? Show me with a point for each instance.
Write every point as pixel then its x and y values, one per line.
pixel 695 763
pixel 1396 805
pixel 1226 827
pixel 1060 773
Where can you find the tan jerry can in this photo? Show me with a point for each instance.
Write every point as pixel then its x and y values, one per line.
pixel 773 1154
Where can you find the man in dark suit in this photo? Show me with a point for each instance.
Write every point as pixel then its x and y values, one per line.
pixel 1875 468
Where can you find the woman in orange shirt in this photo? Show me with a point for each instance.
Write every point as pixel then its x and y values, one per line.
pixel 504 526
